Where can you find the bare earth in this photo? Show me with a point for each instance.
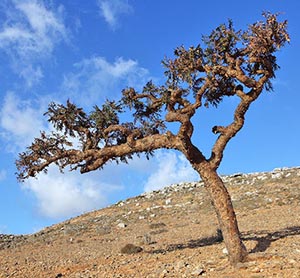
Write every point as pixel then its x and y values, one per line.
pixel 172 232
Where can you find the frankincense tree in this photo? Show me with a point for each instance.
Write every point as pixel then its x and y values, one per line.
pixel 230 63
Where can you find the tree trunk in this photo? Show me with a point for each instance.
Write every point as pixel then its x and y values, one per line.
pixel 226 216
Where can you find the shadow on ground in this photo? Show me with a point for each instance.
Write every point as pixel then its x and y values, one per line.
pixel 194 243
pixel 263 239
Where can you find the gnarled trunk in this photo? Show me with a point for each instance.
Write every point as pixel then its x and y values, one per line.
pixel 226 216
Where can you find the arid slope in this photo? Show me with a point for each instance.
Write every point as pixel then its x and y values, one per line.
pixel 169 233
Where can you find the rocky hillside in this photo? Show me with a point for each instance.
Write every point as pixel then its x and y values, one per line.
pixel 169 233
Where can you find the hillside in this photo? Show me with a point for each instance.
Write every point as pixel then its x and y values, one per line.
pixel 169 233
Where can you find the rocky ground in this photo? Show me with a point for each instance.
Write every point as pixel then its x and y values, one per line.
pixel 169 233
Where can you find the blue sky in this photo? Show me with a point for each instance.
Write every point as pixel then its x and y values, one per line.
pixel 87 51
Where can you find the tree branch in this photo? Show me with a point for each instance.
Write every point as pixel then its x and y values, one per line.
pixel 29 164
pixel 228 132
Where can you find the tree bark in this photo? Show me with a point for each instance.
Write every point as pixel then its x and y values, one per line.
pixel 226 216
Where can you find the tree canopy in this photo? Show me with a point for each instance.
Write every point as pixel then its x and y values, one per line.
pixel 228 63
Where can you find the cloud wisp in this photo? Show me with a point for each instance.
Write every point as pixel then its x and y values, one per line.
pixel 170 168
pixel 29 35
pixel 16 121
pixel 112 10
pixel 66 195
pixel 96 79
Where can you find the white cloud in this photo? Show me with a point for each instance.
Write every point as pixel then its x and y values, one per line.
pixel 64 195
pixel 29 35
pixel 41 20
pixel 58 195
pixel 171 168
pixel 96 79
pixel 21 121
pixel 31 75
pixel 111 10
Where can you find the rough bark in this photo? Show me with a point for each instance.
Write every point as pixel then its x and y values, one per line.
pixel 225 213
pixel 221 201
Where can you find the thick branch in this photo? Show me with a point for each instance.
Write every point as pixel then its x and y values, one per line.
pixel 226 133
pixel 186 127
pixel 93 159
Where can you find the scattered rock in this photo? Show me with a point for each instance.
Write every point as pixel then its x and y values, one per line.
pixel 225 251
pixel 122 225
pixel 168 201
pixel 198 272
pixel 131 249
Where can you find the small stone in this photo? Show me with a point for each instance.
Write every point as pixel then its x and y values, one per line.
pixel 168 201
pixel 276 176
pixel 257 270
pixel 225 251
pixel 198 272
pixel 179 265
pixel 122 225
